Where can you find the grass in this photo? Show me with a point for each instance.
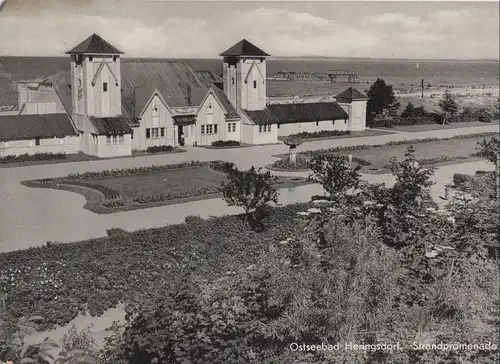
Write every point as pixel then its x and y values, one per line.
pixel 139 190
pixel 353 134
pixel 379 157
pixel 430 127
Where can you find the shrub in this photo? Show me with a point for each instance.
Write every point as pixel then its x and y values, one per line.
pixel 190 219
pixel 32 157
pixel 460 179
pixel 173 196
pixel 160 148
pixel 116 232
pixel 225 143
pixel 320 134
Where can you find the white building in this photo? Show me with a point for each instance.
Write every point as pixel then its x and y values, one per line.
pixel 107 107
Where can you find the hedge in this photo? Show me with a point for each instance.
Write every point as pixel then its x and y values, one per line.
pixel 225 143
pixel 460 179
pixel 31 157
pixel 160 148
pixel 58 281
pixel 174 196
pixel 320 134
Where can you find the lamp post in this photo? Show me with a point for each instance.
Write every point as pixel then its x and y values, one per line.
pixel 422 87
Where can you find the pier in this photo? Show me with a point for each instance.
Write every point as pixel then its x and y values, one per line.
pixel 343 76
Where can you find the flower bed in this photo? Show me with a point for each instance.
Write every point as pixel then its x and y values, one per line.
pixel 31 157
pixel 160 148
pixel 320 134
pixel 130 171
pixel 392 143
pixel 225 143
pixel 113 204
pixel 434 160
pixel 302 164
pixel 175 196
pixel 109 193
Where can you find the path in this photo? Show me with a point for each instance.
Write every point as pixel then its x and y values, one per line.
pixel 31 217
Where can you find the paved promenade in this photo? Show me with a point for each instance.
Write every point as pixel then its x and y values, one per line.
pixel 31 217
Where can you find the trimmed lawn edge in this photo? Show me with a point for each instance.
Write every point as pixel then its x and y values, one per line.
pixel 84 158
pixel 95 200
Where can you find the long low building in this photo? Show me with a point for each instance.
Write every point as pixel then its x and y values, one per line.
pixel 105 107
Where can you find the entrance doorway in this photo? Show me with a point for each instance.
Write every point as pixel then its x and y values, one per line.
pixel 180 135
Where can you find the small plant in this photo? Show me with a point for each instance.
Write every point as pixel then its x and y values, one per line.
pixel 225 143
pixel 160 148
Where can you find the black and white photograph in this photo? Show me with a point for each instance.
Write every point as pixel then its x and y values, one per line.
pixel 249 182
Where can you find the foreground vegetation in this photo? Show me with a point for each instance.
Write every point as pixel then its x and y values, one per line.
pixel 368 264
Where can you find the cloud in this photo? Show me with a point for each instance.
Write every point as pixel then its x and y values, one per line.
pixel 463 33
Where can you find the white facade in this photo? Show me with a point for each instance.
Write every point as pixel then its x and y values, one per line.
pixel 69 144
pixel 356 110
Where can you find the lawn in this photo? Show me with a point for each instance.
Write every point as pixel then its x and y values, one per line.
pixel 137 188
pixel 430 127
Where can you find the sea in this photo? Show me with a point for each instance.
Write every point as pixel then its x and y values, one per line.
pixel 404 75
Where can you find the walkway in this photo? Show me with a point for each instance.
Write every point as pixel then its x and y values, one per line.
pixel 31 217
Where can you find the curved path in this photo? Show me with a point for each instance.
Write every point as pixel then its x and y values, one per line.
pixel 31 217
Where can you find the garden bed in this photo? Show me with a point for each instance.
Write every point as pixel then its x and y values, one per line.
pixel 58 281
pixel 49 158
pixel 310 137
pixel 435 126
pixel 111 191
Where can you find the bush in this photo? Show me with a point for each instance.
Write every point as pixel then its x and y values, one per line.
pixel 116 232
pixel 285 164
pixel 460 179
pixel 320 134
pixel 32 157
pixel 160 148
pixel 173 196
pixel 225 143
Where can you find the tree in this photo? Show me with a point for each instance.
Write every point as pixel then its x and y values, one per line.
pixel 449 107
pixel 380 97
pixel 251 190
pixel 490 150
pixel 334 174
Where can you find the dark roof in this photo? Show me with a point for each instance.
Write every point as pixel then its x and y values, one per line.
pixel 298 113
pixel 184 119
pixel 141 79
pixel 261 116
pixel 61 82
pixel 231 112
pixel 351 94
pixel 244 48
pixel 113 125
pixel 94 45
pixel 209 76
pixel 16 127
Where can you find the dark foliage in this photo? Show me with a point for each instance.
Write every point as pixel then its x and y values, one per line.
pixel 160 148
pixel 32 157
pixel 320 134
pixel 380 99
pixel 225 143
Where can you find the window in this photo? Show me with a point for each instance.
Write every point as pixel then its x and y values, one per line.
pixel 210 129
pixel 37 141
pixel 132 135
pixel 203 129
pixel 234 127
pixel 232 81
pixel 108 139
pixel 162 132
pixel 148 133
pixel 254 84
pixel 264 128
pixel 115 139
pixel 260 128
pixel 155 132
pixel 105 87
pixel 345 121
pixel 317 123
pixel 215 128
pixel 121 139
pixel 229 127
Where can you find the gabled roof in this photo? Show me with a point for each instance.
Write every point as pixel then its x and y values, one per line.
pixel 351 94
pixel 94 45
pixel 244 48
pixel 261 116
pixel 170 78
pixel 112 125
pixel 18 127
pixel 61 82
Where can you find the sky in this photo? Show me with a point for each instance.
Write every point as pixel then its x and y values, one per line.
pixel 203 29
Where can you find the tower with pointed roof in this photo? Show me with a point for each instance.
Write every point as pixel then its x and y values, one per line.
pixel 354 103
pixel 95 81
pixel 244 76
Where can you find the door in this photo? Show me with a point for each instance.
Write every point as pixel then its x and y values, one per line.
pixel 180 135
